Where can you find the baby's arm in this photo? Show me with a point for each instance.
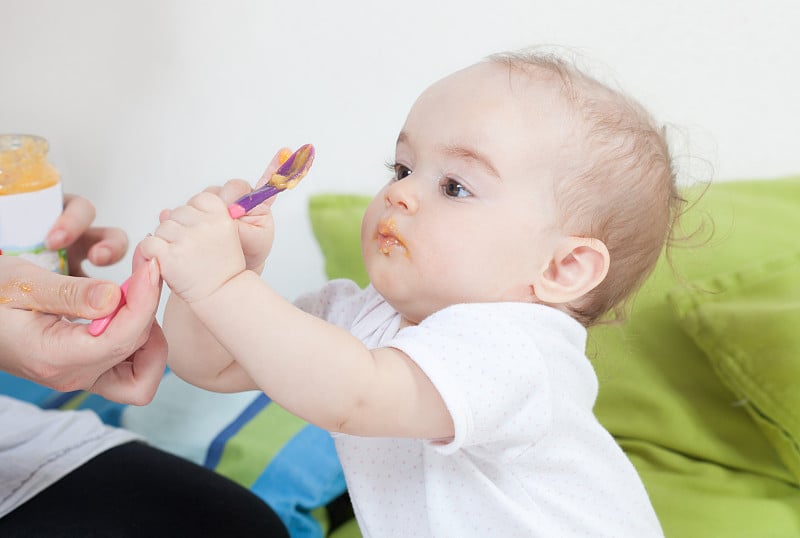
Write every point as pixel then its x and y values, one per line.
pixel 309 366
pixel 319 371
pixel 189 338
pixel 196 356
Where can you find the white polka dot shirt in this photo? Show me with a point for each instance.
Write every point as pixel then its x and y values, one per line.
pixel 528 458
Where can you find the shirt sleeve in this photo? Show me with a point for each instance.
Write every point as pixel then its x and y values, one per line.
pixel 337 302
pixel 484 361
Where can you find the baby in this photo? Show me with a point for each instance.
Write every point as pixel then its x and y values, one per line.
pixel 528 201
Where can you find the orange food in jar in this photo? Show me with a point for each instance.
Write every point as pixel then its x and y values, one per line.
pixel 30 201
pixel 24 166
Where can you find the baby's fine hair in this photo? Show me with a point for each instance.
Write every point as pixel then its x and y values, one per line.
pixel 617 182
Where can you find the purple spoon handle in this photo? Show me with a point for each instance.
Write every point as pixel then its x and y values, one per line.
pixel 285 177
pixel 249 201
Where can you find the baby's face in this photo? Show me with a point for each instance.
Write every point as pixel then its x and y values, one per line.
pixel 470 214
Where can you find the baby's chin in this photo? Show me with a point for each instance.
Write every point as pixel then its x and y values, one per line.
pixel 413 312
pixel 408 307
pixel 411 297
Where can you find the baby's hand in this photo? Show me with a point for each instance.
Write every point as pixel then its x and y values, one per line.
pixel 197 247
pixel 256 228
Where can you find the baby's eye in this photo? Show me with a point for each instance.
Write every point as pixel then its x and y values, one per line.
pixel 454 189
pixel 398 170
pixel 401 171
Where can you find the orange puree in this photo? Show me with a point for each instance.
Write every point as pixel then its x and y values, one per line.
pixel 297 170
pixel 283 155
pixel 24 166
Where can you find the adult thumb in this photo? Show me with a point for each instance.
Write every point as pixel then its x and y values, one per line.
pixel 80 297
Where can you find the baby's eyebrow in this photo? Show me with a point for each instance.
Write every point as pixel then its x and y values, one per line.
pixel 471 154
pixel 462 152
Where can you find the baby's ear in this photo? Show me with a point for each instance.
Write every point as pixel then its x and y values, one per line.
pixel 578 265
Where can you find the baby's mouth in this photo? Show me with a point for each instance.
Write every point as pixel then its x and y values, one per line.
pixel 388 238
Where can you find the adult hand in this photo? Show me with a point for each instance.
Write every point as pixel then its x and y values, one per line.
pixel 38 343
pixel 101 246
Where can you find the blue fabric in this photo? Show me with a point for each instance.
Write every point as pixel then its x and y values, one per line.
pixel 217 446
pixel 307 487
pixel 22 389
pixel 25 390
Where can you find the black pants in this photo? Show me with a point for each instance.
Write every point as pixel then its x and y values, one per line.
pixel 135 490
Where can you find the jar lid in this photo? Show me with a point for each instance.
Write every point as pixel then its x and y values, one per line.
pixel 11 142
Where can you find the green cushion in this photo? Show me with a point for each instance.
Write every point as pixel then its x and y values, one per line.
pixel 710 464
pixel 707 465
pixel 746 322
pixel 336 223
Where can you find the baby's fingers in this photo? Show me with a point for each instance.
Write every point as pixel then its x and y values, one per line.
pixel 197 210
pixel 169 231
pixel 233 190
pixel 207 203
pixel 151 247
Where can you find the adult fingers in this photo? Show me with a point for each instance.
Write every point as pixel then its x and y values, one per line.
pixel 138 258
pixel 77 216
pixel 29 287
pixel 135 380
pixel 108 245
pixel 136 315
pixel 57 353
pixel 101 246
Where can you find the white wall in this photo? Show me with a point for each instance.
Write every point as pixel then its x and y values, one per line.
pixel 146 102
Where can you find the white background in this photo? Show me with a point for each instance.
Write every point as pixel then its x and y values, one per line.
pixel 147 102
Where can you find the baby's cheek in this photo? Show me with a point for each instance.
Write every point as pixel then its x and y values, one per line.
pixel 369 221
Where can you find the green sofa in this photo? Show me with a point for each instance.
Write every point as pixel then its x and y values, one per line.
pixel 699 385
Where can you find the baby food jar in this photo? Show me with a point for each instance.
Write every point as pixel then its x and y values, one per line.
pixel 30 200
